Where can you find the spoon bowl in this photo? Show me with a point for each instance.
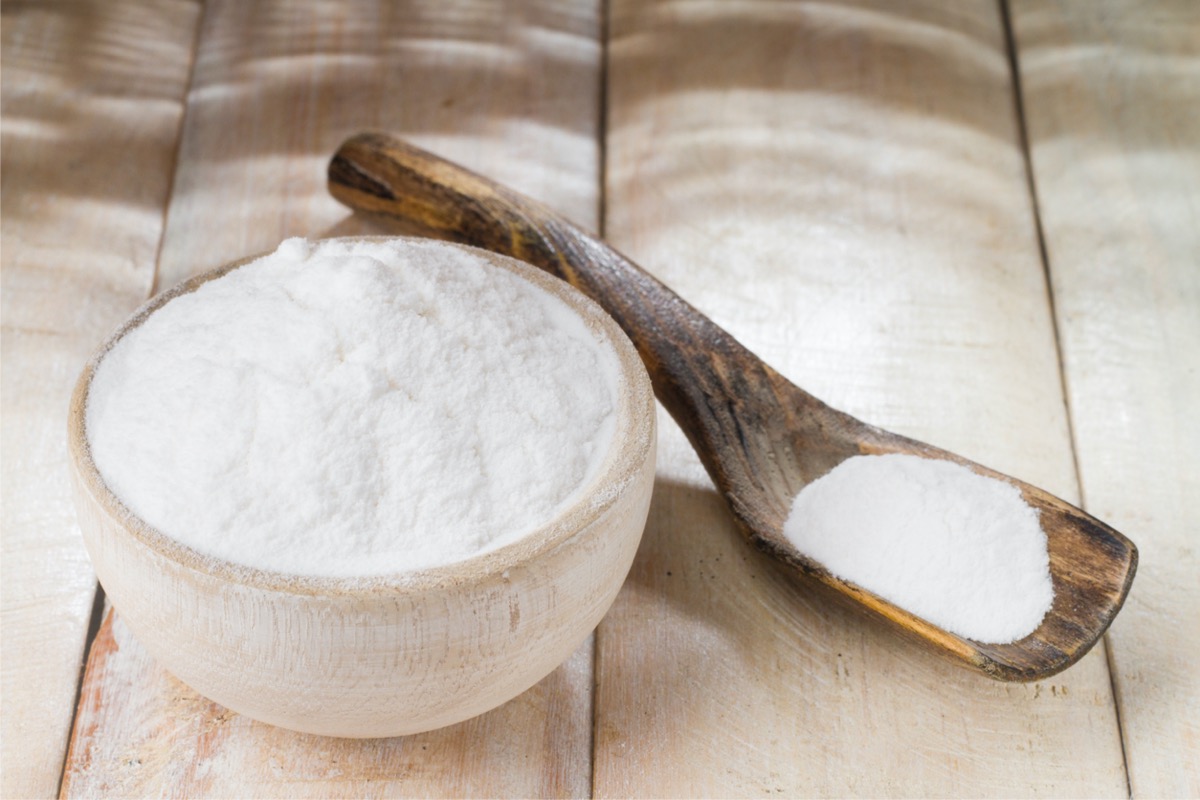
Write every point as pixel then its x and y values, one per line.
pixel 761 438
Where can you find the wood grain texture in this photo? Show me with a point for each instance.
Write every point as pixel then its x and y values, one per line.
pixel 839 185
pixel 175 743
pixel 277 86
pixel 1112 104
pixel 760 437
pixel 92 103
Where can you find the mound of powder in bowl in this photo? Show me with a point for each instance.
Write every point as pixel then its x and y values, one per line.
pixel 353 408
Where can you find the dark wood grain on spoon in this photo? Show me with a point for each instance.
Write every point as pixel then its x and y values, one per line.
pixel 760 437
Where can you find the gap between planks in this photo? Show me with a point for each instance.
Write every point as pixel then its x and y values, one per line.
pixel 183 118
pixel 1010 41
pixel 601 220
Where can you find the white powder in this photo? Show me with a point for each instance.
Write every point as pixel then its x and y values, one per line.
pixel 958 549
pixel 350 409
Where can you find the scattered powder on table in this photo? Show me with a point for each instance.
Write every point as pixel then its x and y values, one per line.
pixel 958 549
pixel 351 409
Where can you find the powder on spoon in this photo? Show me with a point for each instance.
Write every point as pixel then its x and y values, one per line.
pixel 354 408
pixel 958 549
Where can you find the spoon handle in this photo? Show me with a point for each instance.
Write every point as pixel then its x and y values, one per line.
pixel 700 373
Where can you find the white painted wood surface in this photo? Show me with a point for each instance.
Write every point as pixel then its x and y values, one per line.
pixel 276 88
pixel 841 184
pixel 1112 99
pixel 92 102
pixel 842 187
pixel 160 738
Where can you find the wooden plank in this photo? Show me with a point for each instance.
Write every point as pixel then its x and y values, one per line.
pixel 92 103
pixel 174 743
pixel 842 186
pixel 513 91
pixel 1111 93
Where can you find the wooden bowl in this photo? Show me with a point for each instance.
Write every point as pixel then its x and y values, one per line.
pixel 384 655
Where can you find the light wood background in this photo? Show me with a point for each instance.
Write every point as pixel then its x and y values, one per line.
pixel 972 222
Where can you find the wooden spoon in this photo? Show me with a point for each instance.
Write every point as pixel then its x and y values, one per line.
pixel 760 437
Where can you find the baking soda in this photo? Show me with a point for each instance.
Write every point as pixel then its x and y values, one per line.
pixel 958 549
pixel 354 408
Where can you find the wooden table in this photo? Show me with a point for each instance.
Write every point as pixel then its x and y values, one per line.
pixel 972 222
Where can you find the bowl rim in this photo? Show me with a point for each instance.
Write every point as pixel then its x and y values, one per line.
pixel 632 444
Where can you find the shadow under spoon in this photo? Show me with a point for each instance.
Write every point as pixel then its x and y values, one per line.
pixel 760 437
